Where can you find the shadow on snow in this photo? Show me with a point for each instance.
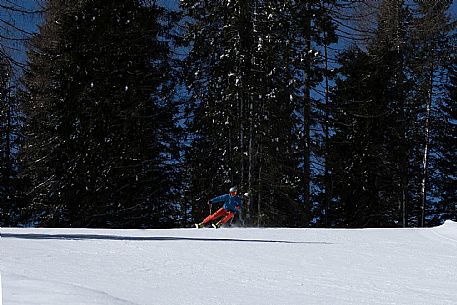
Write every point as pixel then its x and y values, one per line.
pixel 146 238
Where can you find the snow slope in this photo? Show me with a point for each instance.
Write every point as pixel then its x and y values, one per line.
pixel 229 266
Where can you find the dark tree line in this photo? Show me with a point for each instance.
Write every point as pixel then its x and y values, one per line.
pixel 9 137
pixel 389 122
pixel 99 130
pixel 13 33
pixel 135 115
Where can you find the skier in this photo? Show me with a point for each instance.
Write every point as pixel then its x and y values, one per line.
pixel 232 204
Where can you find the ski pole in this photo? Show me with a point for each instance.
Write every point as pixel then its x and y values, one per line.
pixel 210 212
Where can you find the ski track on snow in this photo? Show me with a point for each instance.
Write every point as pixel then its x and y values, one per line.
pixel 61 292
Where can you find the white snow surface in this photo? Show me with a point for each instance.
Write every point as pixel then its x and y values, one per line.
pixel 229 266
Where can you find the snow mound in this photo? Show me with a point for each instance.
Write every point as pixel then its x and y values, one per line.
pixel 450 223
pixel 447 232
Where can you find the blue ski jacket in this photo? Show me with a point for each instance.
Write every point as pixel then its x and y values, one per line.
pixel 230 203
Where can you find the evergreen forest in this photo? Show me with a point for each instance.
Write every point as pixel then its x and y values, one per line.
pixel 134 113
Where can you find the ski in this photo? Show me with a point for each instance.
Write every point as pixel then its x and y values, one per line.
pixel 216 226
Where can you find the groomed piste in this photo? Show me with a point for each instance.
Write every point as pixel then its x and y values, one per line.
pixel 229 266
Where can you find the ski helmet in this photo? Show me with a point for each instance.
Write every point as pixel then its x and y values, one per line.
pixel 233 189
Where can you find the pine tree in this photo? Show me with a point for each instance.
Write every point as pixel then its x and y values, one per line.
pixel 241 81
pixel 312 29
pixel 275 138
pixel 211 70
pixel 446 167
pixel 389 105
pixel 100 131
pixel 5 144
pixel 12 198
pixel 430 32
pixel 15 17
pixel 252 62
pixel 370 152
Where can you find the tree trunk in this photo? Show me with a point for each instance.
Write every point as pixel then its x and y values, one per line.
pixel 404 174
pixel 307 121
pixel 327 185
pixel 244 33
pixel 259 191
pixel 7 165
pixel 251 145
pixel 241 154
pixel 423 192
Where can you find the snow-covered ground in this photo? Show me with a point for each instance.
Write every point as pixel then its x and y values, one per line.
pixel 229 266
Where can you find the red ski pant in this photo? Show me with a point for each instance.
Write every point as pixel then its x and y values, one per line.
pixel 219 213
